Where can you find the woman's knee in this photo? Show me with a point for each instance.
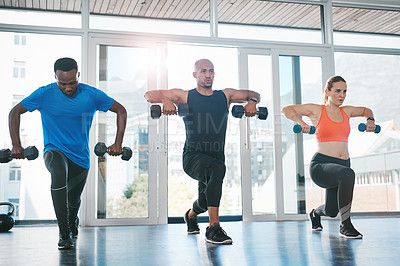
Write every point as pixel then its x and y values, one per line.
pixel 348 175
pixel 331 213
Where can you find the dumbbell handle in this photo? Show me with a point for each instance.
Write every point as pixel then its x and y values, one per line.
pixel 155 110
pixel 30 153
pixel 238 112
pixel 362 127
pixel 297 129
pixel 100 149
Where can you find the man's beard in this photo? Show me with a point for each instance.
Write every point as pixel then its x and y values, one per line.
pixel 208 86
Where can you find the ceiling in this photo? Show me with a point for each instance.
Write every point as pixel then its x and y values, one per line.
pixel 250 12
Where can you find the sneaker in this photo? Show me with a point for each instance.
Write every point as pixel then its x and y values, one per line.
pixel 65 241
pixel 347 230
pixel 192 226
pixel 315 221
pixel 216 235
pixel 74 227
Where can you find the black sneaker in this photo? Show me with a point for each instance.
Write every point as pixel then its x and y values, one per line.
pixel 216 235
pixel 315 221
pixel 65 241
pixel 74 227
pixel 347 230
pixel 192 226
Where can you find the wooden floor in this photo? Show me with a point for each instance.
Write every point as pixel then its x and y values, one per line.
pixel 258 243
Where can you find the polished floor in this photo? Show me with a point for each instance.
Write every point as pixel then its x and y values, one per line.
pixel 258 243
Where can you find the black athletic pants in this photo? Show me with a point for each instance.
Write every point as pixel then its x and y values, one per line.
pixel 209 170
pixel 67 182
pixel 338 178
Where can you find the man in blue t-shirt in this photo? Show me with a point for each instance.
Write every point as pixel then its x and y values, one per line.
pixel 204 151
pixel 67 108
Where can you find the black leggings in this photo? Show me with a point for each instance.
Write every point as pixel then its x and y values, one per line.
pixel 67 182
pixel 209 170
pixel 338 178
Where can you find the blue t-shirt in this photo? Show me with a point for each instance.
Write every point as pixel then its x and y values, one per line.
pixel 67 120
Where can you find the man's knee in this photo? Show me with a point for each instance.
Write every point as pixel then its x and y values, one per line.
pixel 218 170
pixel 200 205
pixel 74 203
pixel 55 164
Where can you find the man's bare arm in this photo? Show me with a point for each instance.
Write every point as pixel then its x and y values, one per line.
pixel 120 110
pixel 14 121
pixel 169 98
pixel 176 96
pixel 240 96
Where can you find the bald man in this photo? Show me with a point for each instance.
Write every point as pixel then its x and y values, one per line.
pixel 203 153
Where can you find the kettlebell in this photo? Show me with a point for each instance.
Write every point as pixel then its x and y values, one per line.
pixel 6 220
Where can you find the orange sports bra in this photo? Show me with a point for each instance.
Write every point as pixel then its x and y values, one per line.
pixel 328 130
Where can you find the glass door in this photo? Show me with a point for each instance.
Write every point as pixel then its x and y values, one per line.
pixel 275 180
pixel 301 80
pixel 257 143
pixel 124 192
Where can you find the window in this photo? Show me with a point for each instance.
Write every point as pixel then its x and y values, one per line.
pixel 15 173
pixel 15 202
pixel 19 40
pixel 19 69
pixel 300 82
pixel 16 99
pixel 69 18
pixel 373 82
pixel 366 40
pixel 29 180
pixel 123 186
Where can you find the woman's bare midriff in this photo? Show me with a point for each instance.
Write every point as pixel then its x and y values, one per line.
pixel 337 149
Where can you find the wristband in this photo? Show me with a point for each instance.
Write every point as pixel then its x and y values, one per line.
pixel 371 118
pixel 254 100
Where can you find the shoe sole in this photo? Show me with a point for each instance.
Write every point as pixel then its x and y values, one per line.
pixel 192 232
pixel 65 247
pixel 226 242
pixel 319 229
pixel 351 237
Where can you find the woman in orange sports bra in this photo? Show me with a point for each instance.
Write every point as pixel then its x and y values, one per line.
pixel 330 166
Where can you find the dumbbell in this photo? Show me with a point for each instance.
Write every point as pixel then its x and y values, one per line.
pixel 155 110
pixel 362 127
pixel 297 129
pixel 31 153
pixel 100 149
pixel 6 220
pixel 238 112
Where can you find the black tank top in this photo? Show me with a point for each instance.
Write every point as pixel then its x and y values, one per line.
pixel 206 123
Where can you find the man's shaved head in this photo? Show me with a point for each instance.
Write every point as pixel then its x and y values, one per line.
pixel 201 62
